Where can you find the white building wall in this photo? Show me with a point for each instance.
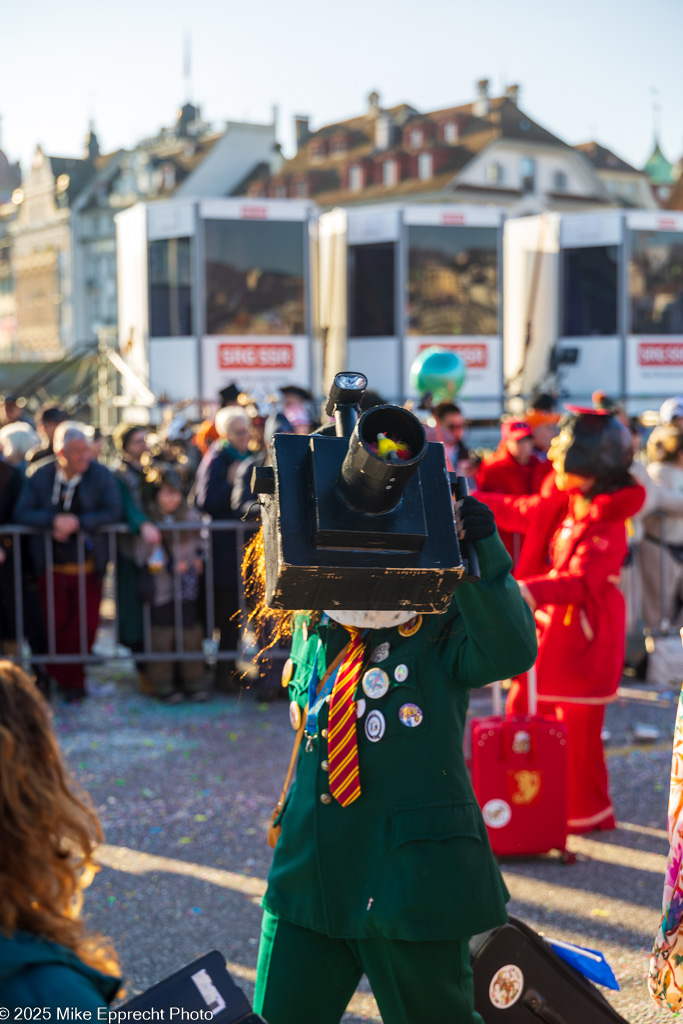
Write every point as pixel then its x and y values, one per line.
pixel 580 179
pixel 234 155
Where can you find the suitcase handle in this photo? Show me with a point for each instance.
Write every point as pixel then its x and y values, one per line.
pixel 535 1002
pixel 532 691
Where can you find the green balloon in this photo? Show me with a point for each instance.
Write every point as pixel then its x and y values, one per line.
pixel 440 372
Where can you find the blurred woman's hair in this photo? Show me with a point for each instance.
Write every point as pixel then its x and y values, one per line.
pixel 664 444
pixel 48 829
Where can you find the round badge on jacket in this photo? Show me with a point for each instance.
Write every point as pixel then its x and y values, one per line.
pixel 411 627
pixel 375 725
pixel 410 714
pixel 375 683
pixel 287 671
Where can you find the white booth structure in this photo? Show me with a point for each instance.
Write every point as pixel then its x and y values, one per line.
pixel 395 280
pixel 594 301
pixel 212 291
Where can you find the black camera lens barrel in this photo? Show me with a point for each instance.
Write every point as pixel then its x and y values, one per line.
pixel 373 484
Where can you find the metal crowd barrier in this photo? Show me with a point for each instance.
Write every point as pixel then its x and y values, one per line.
pixel 210 651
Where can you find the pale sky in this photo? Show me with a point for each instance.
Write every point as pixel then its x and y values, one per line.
pixel 587 68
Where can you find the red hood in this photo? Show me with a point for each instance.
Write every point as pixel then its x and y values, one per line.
pixel 619 505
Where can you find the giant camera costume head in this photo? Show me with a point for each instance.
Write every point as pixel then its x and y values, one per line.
pixel 594 443
pixel 361 518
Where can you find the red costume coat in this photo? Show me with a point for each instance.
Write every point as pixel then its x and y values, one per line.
pixel 502 473
pixel 570 563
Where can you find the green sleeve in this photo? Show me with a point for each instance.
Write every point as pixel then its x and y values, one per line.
pixel 489 632
pixel 303 655
pixel 133 516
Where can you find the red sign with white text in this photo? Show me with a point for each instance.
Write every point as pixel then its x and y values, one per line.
pixel 660 353
pixel 474 356
pixel 255 357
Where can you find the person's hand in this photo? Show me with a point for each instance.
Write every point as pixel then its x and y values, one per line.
pixel 198 565
pixel 474 519
pixel 527 595
pixel 150 533
pixel 64 525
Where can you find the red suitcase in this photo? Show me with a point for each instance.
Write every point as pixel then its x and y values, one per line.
pixel 519 775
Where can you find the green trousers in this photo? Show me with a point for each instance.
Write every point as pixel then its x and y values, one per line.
pixel 304 977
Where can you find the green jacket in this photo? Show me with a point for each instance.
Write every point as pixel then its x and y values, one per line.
pixel 34 972
pixel 410 858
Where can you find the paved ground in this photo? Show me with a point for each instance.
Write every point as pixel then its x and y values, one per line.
pixel 185 795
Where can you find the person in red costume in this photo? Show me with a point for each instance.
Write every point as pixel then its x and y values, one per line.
pixel 512 469
pixel 568 571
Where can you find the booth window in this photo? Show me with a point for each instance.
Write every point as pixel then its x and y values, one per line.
pixel 590 292
pixel 170 288
pixel 254 277
pixel 452 280
pixel 656 282
pixel 371 290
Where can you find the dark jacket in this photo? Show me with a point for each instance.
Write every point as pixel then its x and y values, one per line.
pixel 11 481
pixel 130 480
pixel 410 858
pixel 99 500
pixel 213 493
pixel 34 972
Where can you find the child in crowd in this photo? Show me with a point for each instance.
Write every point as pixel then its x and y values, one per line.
pixel 175 567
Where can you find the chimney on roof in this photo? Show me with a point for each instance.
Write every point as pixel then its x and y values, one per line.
pixel 275 158
pixel 481 104
pixel 301 130
pixel 374 108
pixel 512 93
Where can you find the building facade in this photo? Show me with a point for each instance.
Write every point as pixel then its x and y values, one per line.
pixel 190 158
pixel 486 152
pixel 625 185
pixel 41 254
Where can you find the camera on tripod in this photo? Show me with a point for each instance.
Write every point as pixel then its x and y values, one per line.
pixel 359 515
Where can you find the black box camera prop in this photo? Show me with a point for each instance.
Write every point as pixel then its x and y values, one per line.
pixel 347 528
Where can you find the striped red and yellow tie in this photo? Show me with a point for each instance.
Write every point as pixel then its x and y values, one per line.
pixel 342 746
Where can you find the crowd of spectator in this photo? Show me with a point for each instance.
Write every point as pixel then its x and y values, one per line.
pixel 160 487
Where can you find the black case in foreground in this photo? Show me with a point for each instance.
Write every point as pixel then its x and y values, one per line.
pixel 518 979
pixel 204 985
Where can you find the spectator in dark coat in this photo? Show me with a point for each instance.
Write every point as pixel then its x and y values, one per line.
pixel 48 419
pixel 131 444
pixel 66 496
pixel 213 492
pixel 10 486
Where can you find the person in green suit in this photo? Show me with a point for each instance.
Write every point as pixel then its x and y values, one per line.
pixel 394 884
